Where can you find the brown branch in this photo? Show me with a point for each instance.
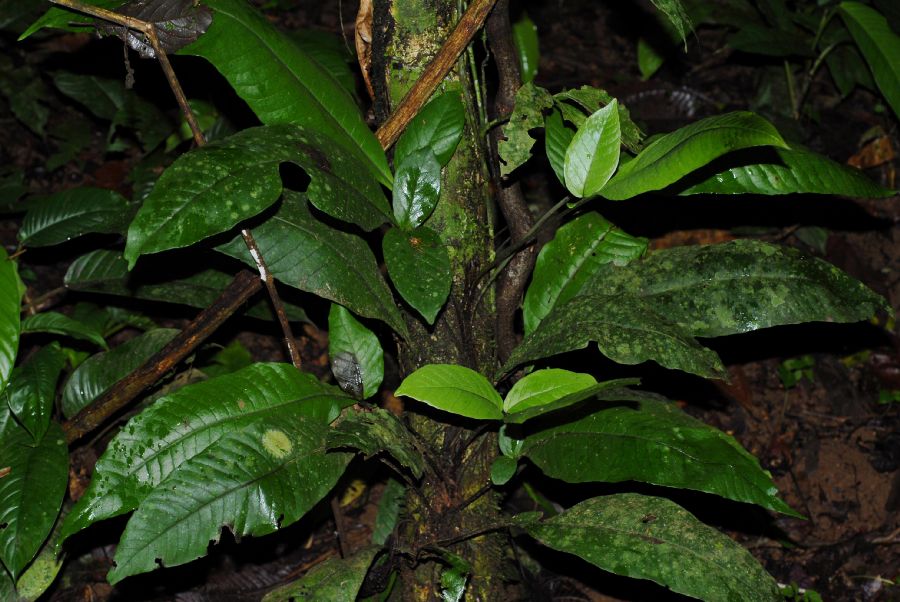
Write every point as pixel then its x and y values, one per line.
pixel 434 74
pixel 244 285
pixel 514 277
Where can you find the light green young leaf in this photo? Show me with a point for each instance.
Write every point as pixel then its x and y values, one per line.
pixel 649 59
pixel 525 37
pixel 557 137
pixel 213 188
pixel 11 291
pixel 567 262
pixel 454 389
pixel 309 255
pixel 880 46
pixel 545 386
pixel 32 389
pixel 61 324
pixel 181 425
pixel 378 431
pixel 635 436
pixel 673 156
pixel 606 390
pixel 101 371
pixel 261 477
pixel 419 266
pixel 653 538
pixel 359 351
pixel 626 330
pixel 576 104
pixel 417 187
pixel 336 580
pixel 454 577
pixel 593 154
pixel 32 492
pixel 515 147
pixel 789 171
pixel 281 84
pixel 72 213
pixel 437 127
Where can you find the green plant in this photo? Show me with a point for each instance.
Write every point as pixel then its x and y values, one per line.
pixel 256 448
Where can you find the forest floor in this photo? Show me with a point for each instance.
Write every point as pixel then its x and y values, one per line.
pixel 831 439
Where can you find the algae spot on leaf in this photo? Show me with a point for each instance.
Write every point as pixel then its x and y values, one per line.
pixel 277 443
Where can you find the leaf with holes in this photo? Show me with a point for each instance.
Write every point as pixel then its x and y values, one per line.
pixel 72 213
pixel 419 266
pixel 528 114
pixel 347 336
pixel 454 389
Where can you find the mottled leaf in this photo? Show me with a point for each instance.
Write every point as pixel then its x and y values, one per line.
pixel 72 213
pixel 336 580
pixel 57 323
pixel 515 147
pixel 419 266
pixel 346 335
pixel 178 427
pixel 593 153
pixel 376 431
pixel 307 254
pixel 32 389
pixel 454 389
pixel 437 127
pixel 653 538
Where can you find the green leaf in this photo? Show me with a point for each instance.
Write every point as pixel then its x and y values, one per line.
pixel 389 507
pixel 438 127
pixel 590 99
pixel 11 291
pixel 525 37
pixel 790 171
pixel 502 470
pixel 593 154
pixel 377 431
pixel 419 266
pixel 653 538
pixel 305 253
pixel 213 188
pixel 61 18
pixel 545 386
pixel 454 389
pixel 329 50
pixel 360 352
pixel 454 577
pixel 254 480
pixel 602 391
pixel 515 147
pixel 101 371
pixel 738 286
pixel 674 11
pixel 230 358
pixel 879 45
pixel 769 41
pixel 417 187
pixel 281 84
pixel 105 271
pixel 57 323
pixel 626 330
pixel 673 156
pixel 32 389
pixel 557 137
pixel 179 426
pixel 32 492
pixel 72 213
pixel 639 437
pixel 42 572
pixel 649 59
pixel 336 580
pixel 564 264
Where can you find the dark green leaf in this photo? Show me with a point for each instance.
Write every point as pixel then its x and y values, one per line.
pixel 101 371
pixel 791 171
pixel 359 347
pixel 437 127
pixel 454 389
pixel 57 323
pixel 626 330
pixel 254 480
pixel 567 262
pixel 229 359
pixel 557 137
pixel 305 253
pixel 673 156
pixel 768 41
pixel 879 45
pixel 336 580
pixel 525 37
pixel 515 147
pixel 502 470
pixel 419 266
pixel 177 22
pixel 72 213
pixel 11 291
pixel 179 426
pixel 32 389
pixel 676 14
pixel 653 538
pixel 331 53
pixel 282 84
pixel 62 18
pixel 593 154
pixel 641 438
pixel 738 286
pixel 377 431
pixel 26 95
pixel 389 507
pixel 213 188
pixel 32 492
pixel 43 570
pixel 417 187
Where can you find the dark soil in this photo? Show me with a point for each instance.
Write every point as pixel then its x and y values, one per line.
pixel 833 449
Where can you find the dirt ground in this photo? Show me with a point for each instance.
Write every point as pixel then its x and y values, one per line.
pixel 833 449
